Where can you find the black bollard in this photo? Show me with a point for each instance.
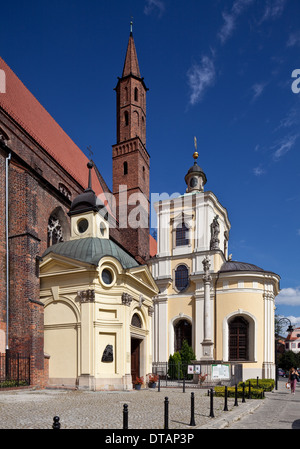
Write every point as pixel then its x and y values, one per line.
pixel 235 396
pixel 56 423
pixel 192 422
pixel 183 385
pixel 249 392
pixel 243 400
pixel 225 402
pixel 257 381
pixel 125 416
pixel 166 423
pixel 159 383
pixel 211 414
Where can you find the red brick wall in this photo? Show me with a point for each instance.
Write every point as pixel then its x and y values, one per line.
pixel 131 149
pixel 34 179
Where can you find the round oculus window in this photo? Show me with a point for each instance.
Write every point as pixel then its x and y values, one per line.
pixel 82 225
pixel 107 277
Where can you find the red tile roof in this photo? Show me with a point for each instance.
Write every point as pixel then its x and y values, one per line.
pixel 152 246
pixel 25 109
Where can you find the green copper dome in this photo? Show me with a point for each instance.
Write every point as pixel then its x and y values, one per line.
pixel 91 250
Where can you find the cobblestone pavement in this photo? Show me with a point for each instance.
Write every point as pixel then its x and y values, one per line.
pixel 35 409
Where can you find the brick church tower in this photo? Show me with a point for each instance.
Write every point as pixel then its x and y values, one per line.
pixel 131 160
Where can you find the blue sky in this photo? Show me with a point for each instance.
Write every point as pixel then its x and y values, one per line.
pixel 220 70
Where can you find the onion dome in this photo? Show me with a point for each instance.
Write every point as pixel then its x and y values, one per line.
pixel 86 201
pixel 195 177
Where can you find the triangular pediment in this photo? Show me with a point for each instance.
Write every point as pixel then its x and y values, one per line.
pixel 143 275
pixel 53 264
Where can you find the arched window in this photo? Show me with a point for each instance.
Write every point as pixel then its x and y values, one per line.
pixel 182 235
pixel 238 339
pixel 183 331
pixel 181 277
pixel 126 118
pixel 136 321
pixel 136 94
pixel 125 168
pixel 55 232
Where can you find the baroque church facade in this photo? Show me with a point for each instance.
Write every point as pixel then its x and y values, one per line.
pixel 93 304
pixel 223 308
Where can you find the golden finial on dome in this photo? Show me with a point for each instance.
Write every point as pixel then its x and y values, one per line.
pixel 195 155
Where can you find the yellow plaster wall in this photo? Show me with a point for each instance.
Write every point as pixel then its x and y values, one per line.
pixel 232 302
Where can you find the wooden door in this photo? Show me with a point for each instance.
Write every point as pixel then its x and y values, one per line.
pixel 135 358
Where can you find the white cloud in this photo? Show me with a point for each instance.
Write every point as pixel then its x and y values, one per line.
pixel 200 77
pixel 273 10
pixel 284 146
pixel 152 5
pixel 230 19
pixel 258 89
pixel 294 39
pixel 292 118
pixel 258 171
pixel 288 297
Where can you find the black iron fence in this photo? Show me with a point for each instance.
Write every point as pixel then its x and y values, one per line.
pixel 14 369
pixel 196 374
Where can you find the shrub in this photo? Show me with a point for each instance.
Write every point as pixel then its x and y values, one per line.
pixel 256 392
pixel 13 383
pixel 266 384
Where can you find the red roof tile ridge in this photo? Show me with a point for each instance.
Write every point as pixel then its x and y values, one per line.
pixel 26 110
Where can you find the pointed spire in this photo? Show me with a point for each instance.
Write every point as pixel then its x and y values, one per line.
pixel 131 65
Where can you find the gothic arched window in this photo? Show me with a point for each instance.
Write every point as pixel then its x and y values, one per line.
pixel 125 168
pixel 136 94
pixel 181 277
pixel 238 339
pixel 55 232
pixel 126 118
pixel 182 235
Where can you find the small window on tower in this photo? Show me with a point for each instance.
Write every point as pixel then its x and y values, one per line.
pixel 126 118
pixel 125 167
pixel 136 94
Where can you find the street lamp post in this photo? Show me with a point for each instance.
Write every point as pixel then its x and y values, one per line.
pixel 289 329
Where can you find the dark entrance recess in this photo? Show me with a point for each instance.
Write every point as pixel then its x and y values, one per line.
pixel 135 358
pixel 183 331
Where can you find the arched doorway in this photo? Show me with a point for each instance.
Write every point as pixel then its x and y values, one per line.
pixel 182 331
pixel 136 323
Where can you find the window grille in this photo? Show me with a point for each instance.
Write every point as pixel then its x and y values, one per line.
pixel 181 277
pixel 182 235
pixel 238 339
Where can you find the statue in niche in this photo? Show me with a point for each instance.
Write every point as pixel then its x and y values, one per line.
pixel 108 355
pixel 215 231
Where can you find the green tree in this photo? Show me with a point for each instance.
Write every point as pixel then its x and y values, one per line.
pixel 175 366
pixel 187 355
pixel 287 360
